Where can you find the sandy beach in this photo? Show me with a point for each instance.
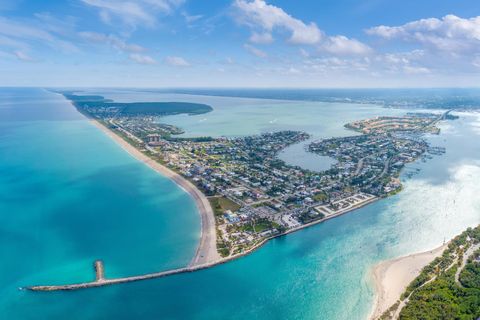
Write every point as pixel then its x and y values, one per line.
pixel 207 249
pixel 393 276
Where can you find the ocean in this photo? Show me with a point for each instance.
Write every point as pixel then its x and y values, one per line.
pixel 69 195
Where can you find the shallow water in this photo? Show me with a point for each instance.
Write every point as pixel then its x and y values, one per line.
pixel 69 195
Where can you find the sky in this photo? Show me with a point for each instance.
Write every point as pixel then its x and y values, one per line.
pixel 240 43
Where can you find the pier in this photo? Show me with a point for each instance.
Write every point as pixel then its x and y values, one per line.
pixel 101 281
pixel 99 271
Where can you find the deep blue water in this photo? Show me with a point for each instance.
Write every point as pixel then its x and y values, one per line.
pixel 69 195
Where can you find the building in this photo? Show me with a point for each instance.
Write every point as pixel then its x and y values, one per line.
pixel 154 139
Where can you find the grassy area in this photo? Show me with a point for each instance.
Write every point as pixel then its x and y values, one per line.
pixel 259 226
pixel 222 204
pixel 320 197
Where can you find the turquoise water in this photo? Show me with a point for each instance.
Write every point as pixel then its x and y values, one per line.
pixel 242 116
pixel 69 195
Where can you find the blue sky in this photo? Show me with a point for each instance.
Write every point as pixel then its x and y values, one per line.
pixel 240 43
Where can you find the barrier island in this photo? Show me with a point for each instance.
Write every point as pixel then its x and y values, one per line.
pixel 245 194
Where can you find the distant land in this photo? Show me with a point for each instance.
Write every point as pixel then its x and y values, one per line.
pixel 85 103
pixel 435 98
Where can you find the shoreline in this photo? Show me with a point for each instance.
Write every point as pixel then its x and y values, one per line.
pixel 206 255
pixel 392 277
pixel 206 251
pixel 189 268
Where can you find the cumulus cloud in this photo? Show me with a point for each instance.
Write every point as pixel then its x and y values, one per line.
pixel 176 61
pixel 261 38
pixel 110 40
pixel 342 45
pixel 450 33
pixel 142 59
pixel 255 51
pixel 132 12
pixel 410 62
pixel 336 64
pixel 266 18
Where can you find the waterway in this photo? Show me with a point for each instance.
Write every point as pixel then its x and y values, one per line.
pixel 69 196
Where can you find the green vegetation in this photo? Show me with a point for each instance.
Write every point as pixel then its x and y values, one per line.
pixel 222 204
pixel 435 293
pixel 223 247
pixel 259 226
pixel 443 299
pixel 160 108
pixel 320 197
pixel 100 105
pixel 470 275
pixel 75 98
pixel 310 216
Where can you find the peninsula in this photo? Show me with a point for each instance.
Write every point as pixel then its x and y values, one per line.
pixel 440 284
pixel 244 193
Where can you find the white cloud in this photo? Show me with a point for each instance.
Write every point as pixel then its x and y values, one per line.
pixel 177 61
pixel 261 38
pixel 110 40
pixel 23 56
pixel 336 64
pixel 265 19
pixel 450 33
pixel 293 71
pixel 415 70
pixel 61 26
pixel 133 12
pixel 142 59
pixel 11 28
pixel 342 45
pixel 255 51
pixel 260 16
pixel 20 33
pixel 410 62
